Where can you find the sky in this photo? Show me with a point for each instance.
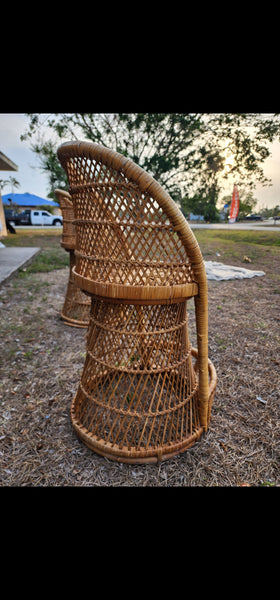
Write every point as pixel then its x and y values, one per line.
pixel 32 180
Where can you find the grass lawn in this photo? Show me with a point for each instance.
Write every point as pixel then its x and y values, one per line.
pixel 43 358
pixel 51 256
pixel 259 238
pixel 34 237
pixel 225 246
pixel 260 248
pixel 231 247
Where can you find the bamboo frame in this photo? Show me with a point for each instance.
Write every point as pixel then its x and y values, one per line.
pixel 141 397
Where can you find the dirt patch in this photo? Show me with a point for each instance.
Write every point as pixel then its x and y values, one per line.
pixel 42 360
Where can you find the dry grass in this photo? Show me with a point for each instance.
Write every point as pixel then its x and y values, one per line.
pixel 42 360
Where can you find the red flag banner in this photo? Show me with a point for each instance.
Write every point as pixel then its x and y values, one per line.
pixel 234 207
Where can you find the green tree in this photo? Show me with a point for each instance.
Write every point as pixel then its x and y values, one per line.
pixel 186 153
pixel 204 202
pixel 267 213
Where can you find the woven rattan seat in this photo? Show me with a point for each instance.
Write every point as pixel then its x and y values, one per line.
pixel 145 393
pixel 76 307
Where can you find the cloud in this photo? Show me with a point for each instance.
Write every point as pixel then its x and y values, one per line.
pixel 11 128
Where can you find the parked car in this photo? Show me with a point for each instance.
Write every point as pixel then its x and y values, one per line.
pixel 254 218
pixel 39 217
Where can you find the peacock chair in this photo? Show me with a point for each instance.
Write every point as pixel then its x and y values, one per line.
pixel 145 394
pixel 76 307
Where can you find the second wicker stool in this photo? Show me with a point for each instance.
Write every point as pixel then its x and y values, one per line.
pixel 76 307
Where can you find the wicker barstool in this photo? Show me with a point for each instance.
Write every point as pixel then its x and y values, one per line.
pixel 145 394
pixel 76 307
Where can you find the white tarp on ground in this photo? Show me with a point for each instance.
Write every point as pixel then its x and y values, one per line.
pixel 220 272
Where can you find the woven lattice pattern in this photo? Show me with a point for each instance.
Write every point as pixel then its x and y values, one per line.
pixel 142 395
pixel 123 235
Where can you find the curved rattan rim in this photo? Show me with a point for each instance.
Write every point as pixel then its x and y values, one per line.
pixel 74 322
pixel 135 292
pixel 66 197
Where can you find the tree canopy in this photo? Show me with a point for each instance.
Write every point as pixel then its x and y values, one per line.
pixel 190 154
